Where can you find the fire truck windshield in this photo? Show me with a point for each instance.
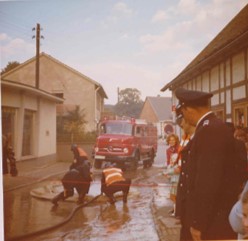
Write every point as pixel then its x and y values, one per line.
pixel 116 128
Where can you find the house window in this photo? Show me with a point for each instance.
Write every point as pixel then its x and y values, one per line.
pixel 240 115
pixel 27 140
pixel 8 122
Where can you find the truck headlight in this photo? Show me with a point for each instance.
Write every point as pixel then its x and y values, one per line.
pixel 125 150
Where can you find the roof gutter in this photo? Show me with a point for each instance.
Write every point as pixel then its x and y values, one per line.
pixel 31 90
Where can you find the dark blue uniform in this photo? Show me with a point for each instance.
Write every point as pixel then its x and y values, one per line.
pixel 207 189
pixel 78 177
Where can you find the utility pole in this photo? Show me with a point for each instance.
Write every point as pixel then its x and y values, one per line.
pixel 37 63
pixel 118 95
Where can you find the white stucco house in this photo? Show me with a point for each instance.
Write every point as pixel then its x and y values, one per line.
pixel 63 81
pixel 29 116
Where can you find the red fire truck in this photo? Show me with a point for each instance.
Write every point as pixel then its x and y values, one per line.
pixel 126 143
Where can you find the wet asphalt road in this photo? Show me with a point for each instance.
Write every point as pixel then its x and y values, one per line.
pixel 98 221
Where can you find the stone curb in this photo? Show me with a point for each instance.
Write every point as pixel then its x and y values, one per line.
pixel 166 226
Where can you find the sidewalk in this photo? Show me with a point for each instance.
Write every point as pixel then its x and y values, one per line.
pixel 30 172
pixel 168 227
pixel 34 172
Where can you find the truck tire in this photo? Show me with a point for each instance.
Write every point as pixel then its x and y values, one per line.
pixel 135 161
pixel 97 164
pixel 151 161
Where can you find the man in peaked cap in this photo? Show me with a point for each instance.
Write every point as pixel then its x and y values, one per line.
pixel 209 187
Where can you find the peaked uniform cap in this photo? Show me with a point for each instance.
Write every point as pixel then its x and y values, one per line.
pixel 192 97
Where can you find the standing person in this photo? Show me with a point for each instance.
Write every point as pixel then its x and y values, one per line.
pixel 171 152
pixel 237 216
pixel 246 143
pixel 113 181
pixel 172 163
pixel 172 172
pixel 188 132
pixel 240 145
pixel 209 186
pixel 8 154
pixel 240 134
pixel 244 201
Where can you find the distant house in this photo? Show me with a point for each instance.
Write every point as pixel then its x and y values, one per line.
pixel 158 111
pixel 222 69
pixel 29 116
pixel 108 112
pixel 65 82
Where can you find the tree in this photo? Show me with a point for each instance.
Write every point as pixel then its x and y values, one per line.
pixel 10 66
pixel 74 122
pixel 130 103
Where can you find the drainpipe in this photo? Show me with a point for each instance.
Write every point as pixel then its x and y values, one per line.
pixel 96 119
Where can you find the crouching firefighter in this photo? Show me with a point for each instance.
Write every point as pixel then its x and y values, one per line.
pixel 79 154
pixel 78 177
pixel 113 181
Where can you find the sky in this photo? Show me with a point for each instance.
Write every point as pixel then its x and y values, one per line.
pixel 142 44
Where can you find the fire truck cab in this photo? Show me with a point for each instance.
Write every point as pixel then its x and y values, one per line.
pixel 125 142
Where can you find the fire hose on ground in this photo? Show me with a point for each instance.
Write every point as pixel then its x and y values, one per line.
pixel 56 225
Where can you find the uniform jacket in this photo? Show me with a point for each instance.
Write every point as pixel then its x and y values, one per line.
pixel 206 187
pixel 83 169
pixel 79 154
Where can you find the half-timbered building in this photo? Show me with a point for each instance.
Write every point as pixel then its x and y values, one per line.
pixel 222 69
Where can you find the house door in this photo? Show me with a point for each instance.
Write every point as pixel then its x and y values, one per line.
pixel 27 141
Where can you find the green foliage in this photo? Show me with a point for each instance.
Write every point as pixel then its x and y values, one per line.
pixel 10 66
pixel 130 103
pixel 73 124
pixel 75 121
pixel 129 96
pixel 88 137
